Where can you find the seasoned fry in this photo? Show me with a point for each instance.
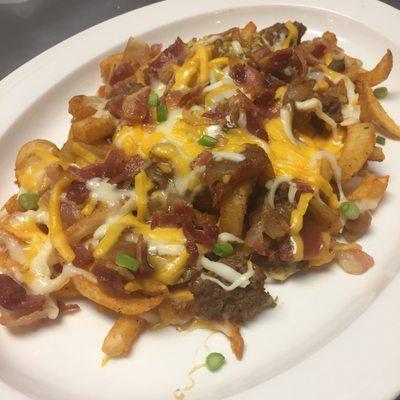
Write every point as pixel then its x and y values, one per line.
pixel 371 187
pixel 123 305
pixel 372 110
pixel 325 215
pixel 379 74
pixel 91 129
pixel 122 335
pixel 234 207
pixel 358 146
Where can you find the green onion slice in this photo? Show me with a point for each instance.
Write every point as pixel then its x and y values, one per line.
pixel 207 141
pixel 223 249
pixel 28 201
pixel 215 361
pixel 380 92
pixel 126 261
pixel 350 210
pixel 153 99
pixel 380 140
pixel 162 112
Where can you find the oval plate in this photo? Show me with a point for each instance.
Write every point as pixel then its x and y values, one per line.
pixel 332 336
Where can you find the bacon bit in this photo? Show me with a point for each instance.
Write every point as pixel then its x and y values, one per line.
pixel 204 159
pixel 311 235
pixel 276 61
pixel 67 308
pixel 319 50
pixel 248 78
pixel 109 279
pixel 177 98
pixel 171 54
pixel 299 62
pixel 114 106
pixel 123 71
pixel 182 214
pixel 354 261
pixel 135 106
pixel 83 256
pixel 192 250
pixel 142 251
pixel 13 297
pixel 302 187
pixel 77 192
pixel 155 49
pixel 70 213
pixel 115 167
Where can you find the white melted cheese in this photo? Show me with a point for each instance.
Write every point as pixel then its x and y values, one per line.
pixel 165 249
pixel 100 232
pixel 42 282
pixel 273 186
pixel 157 86
pixel 228 155
pixel 367 204
pixel 315 105
pixel 286 115
pixel 228 237
pixel 337 171
pixel 227 273
pixel 213 130
pixel 292 192
pixel 106 192
pixel 237 47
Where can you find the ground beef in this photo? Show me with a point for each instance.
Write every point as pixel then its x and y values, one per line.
pixel 239 305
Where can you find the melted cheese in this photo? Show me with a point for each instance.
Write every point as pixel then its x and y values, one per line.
pixel 227 273
pixel 31 177
pixel 228 237
pixel 296 218
pixel 57 236
pixel 142 185
pixel 273 186
pixel 101 190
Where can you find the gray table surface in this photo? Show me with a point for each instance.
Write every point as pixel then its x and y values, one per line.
pixel 28 27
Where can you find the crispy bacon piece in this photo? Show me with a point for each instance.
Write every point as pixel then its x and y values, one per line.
pixel 83 255
pixel 222 176
pixel 110 279
pixel 13 297
pixel 135 108
pixel 311 235
pixel 70 213
pixel 115 167
pixel 177 98
pixel 248 78
pixel 142 251
pixel 77 192
pixel 67 308
pixel 123 71
pixel 163 64
pixel 182 214
pixel 354 261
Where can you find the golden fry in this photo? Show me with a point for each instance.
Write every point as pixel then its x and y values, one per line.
pixel 123 305
pixel 372 186
pixel 122 335
pixel 91 129
pixel 379 74
pixel 371 109
pixel 358 146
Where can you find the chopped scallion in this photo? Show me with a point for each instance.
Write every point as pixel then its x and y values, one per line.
pixel 223 249
pixel 126 261
pixel 380 140
pixel 28 201
pixel 153 99
pixel 208 141
pixel 350 210
pixel 215 361
pixel 162 112
pixel 380 92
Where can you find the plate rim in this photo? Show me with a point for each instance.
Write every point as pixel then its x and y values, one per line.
pixel 378 314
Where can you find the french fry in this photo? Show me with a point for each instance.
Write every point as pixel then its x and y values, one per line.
pixel 108 63
pixel 325 215
pixel 371 187
pixel 12 204
pixel 371 109
pixel 89 130
pixel 234 207
pixel 122 335
pixel 123 305
pixel 377 154
pixel 358 146
pixel 379 74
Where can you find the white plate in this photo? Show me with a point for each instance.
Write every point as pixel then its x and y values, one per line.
pixel 333 336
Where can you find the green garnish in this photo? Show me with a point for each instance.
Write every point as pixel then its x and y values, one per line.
pixel 126 261
pixel 380 140
pixel 162 112
pixel 207 141
pixel 215 361
pixel 380 92
pixel 153 99
pixel 350 210
pixel 223 249
pixel 28 201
